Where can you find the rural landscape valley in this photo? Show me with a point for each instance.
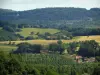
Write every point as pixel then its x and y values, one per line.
pixel 50 41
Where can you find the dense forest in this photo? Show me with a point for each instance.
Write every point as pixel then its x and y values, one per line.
pixel 52 16
pixel 11 65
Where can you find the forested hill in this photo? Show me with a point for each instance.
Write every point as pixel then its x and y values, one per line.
pixel 77 21
pixel 50 14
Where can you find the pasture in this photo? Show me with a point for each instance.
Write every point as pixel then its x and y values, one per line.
pixel 26 31
pixel 7 48
pixel 0 28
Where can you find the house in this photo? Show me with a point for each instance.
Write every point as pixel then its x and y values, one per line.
pixel 78 59
pixel 91 59
pixel 52 37
pixel 44 51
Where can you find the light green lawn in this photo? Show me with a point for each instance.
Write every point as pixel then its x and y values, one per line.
pixel 26 31
pixel 7 48
pixel 0 28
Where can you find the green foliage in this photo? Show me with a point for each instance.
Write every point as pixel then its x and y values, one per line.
pixel 5 35
pixel 96 70
pixel 71 13
pixel 51 73
pixel 79 21
pixel 28 48
pixel 84 48
pixel 89 48
pixel 38 64
pixel 71 47
pixel 9 29
pixel 59 42
pixel 98 58
pixel 8 65
pixel 29 38
pixel 53 47
pixel 85 31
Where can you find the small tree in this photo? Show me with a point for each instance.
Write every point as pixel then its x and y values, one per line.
pixel 53 47
pixel 29 38
pixel 31 33
pixel 59 42
pixel 8 28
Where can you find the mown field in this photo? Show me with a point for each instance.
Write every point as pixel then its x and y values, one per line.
pixel 44 42
pixel 26 31
pixel 94 37
pixel 7 48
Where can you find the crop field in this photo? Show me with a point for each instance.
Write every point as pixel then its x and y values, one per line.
pixel 44 42
pixel 83 38
pixel 26 31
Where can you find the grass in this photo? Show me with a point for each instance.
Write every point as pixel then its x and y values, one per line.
pixel 44 42
pixel 7 48
pixel 94 37
pixel 26 31
pixel 0 28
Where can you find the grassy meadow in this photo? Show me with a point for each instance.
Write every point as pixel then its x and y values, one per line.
pixel 0 28
pixel 44 42
pixel 7 48
pixel 26 31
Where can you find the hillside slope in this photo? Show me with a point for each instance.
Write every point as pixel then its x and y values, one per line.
pixel 51 16
pixel 5 35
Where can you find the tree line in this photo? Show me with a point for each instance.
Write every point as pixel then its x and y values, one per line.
pixel 84 48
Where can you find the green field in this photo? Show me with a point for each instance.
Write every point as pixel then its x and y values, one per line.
pixel 45 42
pixel 26 31
pixel 0 28
pixel 7 48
